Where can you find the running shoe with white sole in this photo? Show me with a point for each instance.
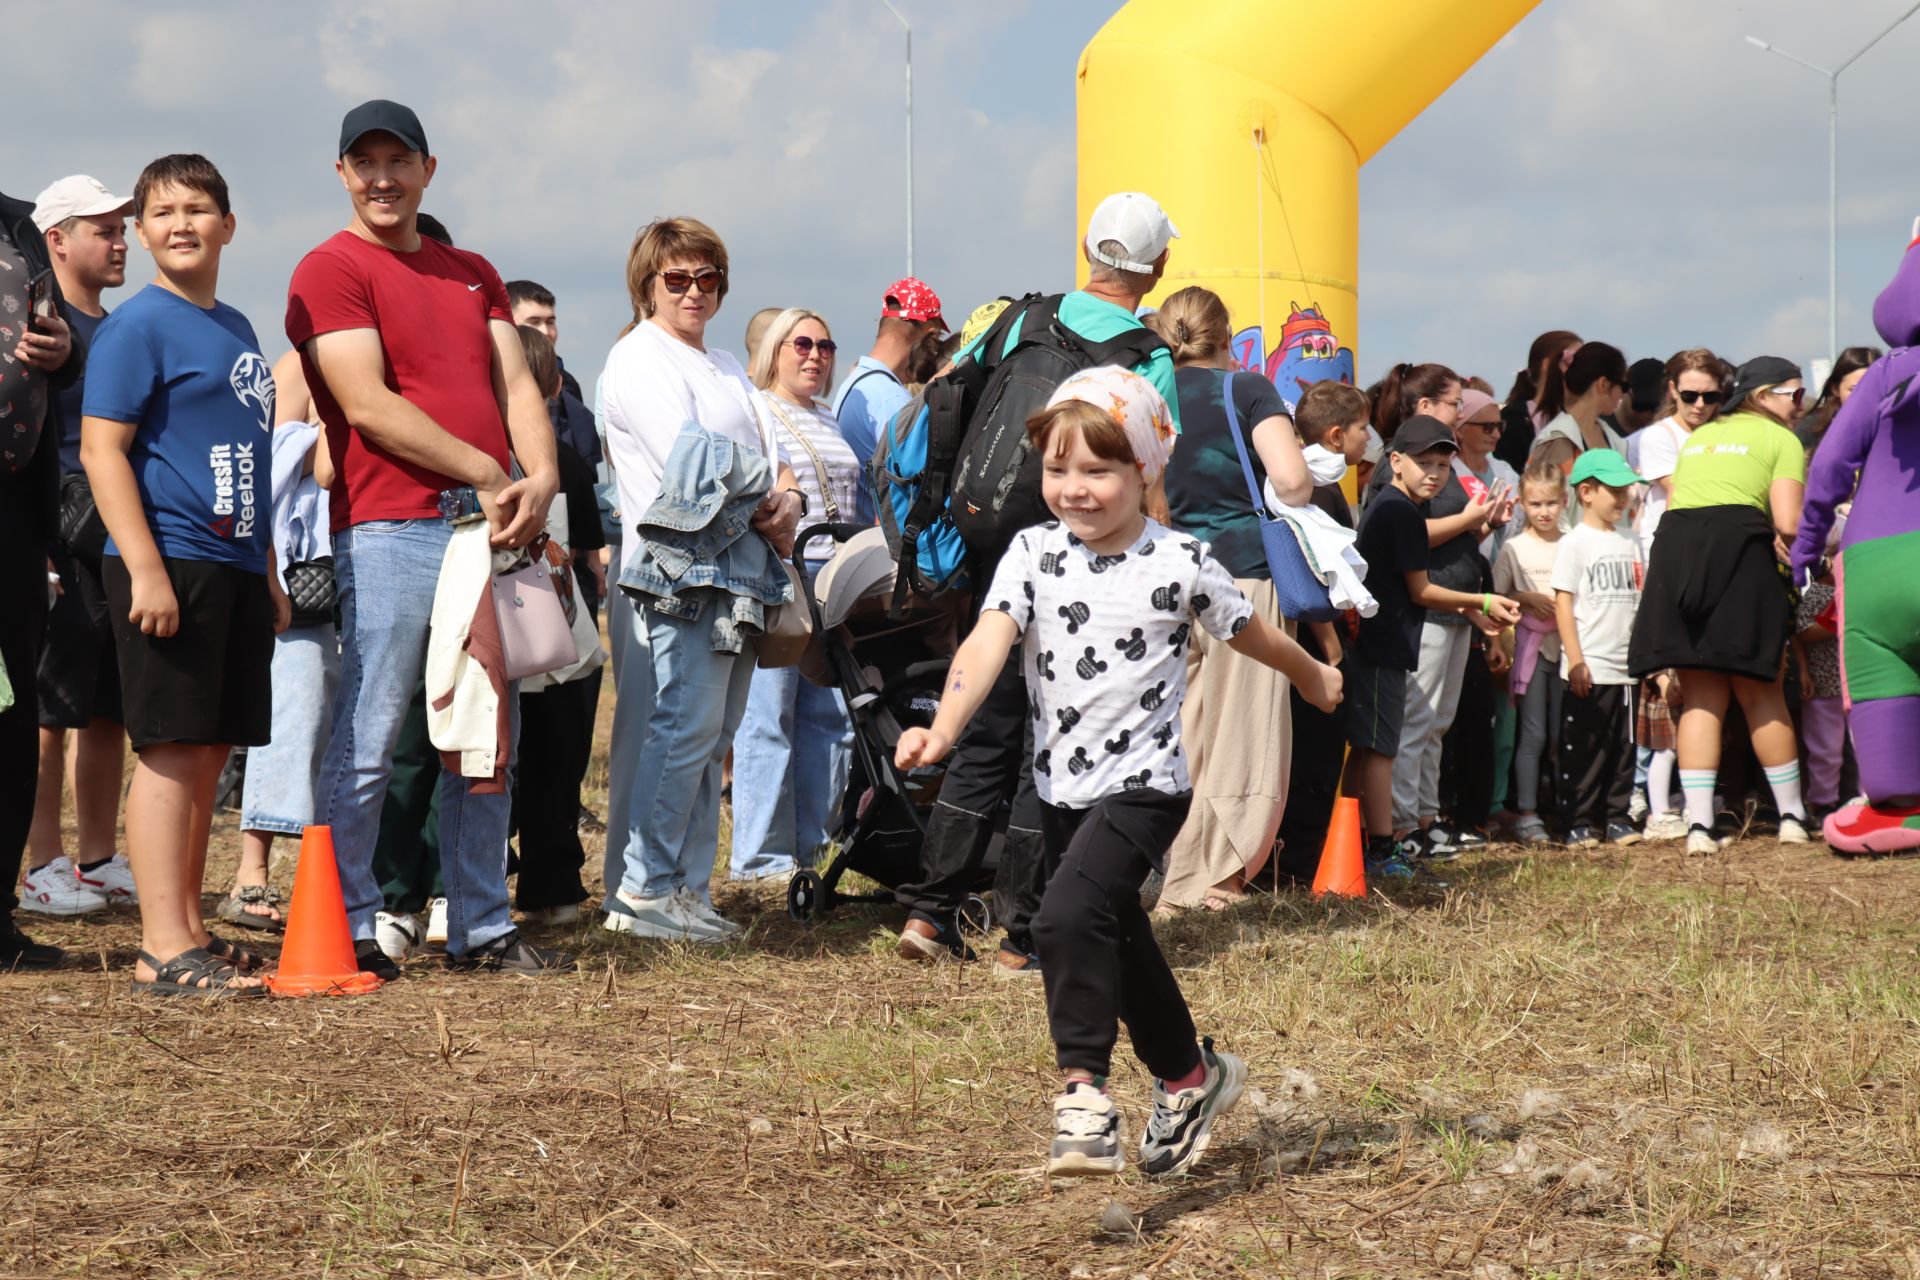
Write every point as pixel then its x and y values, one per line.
pixel 55 890
pixel 1181 1125
pixel 663 917
pixel 1701 841
pixel 1622 833
pixel 702 910
pixel 1793 830
pixel 437 922
pixel 1087 1133
pixel 1665 826
pixel 112 880
pixel 397 934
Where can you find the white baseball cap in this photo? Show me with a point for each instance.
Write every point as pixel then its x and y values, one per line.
pixel 1136 221
pixel 77 196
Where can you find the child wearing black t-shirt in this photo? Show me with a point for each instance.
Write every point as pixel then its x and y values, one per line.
pixel 1102 603
pixel 1393 539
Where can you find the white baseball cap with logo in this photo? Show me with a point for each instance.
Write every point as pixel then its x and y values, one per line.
pixel 77 196
pixel 1136 221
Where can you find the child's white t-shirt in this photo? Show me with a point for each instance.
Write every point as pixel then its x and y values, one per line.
pixel 1104 649
pixel 1602 568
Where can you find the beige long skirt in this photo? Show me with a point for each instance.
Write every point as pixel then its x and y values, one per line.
pixel 1236 728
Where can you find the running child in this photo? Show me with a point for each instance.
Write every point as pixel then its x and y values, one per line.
pixel 175 435
pixel 1597 575
pixel 1524 571
pixel 1102 602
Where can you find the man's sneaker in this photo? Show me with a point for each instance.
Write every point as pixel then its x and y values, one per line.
pixel 1181 1124
pixel 1637 808
pixel 1793 830
pixel 1622 833
pixel 1583 837
pixel 54 890
pixel 1433 844
pixel 513 954
pixel 112 880
pixel 1531 829
pixel 663 917
pixel 1701 841
pixel 396 933
pixel 1086 1133
pixel 702 910
pixel 1450 842
pixel 922 939
pixel 565 913
pixel 1391 865
pixel 1665 826
pixel 437 922
pixel 367 953
pixel 21 954
pixel 1011 962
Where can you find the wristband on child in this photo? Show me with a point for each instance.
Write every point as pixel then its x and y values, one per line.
pixel 1486 606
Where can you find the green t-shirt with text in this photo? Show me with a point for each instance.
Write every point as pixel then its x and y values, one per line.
pixel 1733 462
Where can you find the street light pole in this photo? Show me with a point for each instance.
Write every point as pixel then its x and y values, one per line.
pixel 909 30
pixel 1833 165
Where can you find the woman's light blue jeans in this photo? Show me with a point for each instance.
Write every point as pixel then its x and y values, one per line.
pixel 283 775
pixel 676 707
pixel 790 759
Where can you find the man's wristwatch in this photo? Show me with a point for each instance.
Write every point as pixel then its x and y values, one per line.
pixel 802 495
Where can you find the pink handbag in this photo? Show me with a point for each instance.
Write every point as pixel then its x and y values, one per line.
pixel 534 634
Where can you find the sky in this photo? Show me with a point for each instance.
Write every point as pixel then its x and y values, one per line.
pixel 1629 169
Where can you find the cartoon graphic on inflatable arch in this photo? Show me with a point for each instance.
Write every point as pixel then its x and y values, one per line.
pixel 1308 352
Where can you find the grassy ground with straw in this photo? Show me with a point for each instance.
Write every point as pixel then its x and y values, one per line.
pixel 1617 1063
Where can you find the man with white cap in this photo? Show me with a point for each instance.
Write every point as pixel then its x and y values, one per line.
pixel 84 227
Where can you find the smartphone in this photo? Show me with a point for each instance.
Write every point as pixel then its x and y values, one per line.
pixel 40 298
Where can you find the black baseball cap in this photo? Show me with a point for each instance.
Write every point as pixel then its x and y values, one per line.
pixel 1647 383
pixel 1421 433
pixel 382 116
pixel 1761 371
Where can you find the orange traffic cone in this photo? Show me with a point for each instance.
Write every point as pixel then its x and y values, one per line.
pixel 317 959
pixel 1343 870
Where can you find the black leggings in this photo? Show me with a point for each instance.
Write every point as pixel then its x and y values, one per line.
pixel 1097 952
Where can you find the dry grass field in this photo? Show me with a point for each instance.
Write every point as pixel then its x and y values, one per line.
pixel 1620 1064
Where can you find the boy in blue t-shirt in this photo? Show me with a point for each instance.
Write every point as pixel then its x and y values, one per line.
pixel 174 437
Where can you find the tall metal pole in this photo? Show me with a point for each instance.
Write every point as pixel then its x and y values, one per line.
pixel 1833 165
pixel 909 30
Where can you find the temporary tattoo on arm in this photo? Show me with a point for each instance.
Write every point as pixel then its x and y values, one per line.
pixel 959 684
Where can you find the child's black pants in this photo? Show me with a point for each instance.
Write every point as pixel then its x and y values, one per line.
pixel 1595 783
pixel 1097 952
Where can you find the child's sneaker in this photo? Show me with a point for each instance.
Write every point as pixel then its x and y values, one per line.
pixel 1583 837
pixel 1665 826
pixel 1701 841
pixel 1389 865
pixel 437 923
pixel 1793 830
pixel 1086 1133
pixel 112 880
pixel 1181 1125
pixel 1531 829
pixel 1622 833
pixel 1638 808
pixel 54 890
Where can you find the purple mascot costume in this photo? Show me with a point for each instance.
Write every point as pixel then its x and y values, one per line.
pixel 1876 438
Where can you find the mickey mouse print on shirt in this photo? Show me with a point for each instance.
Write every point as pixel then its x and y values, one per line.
pixel 1104 642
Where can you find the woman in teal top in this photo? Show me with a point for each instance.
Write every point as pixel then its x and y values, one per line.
pixel 1716 606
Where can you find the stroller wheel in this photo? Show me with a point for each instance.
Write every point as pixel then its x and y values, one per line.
pixel 976 915
pixel 805 894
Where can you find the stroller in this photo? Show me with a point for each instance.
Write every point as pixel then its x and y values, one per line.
pixel 890 671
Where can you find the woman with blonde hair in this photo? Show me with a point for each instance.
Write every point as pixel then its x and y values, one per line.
pixel 1236 722
pixel 793 747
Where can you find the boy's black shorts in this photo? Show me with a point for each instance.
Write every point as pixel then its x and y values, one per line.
pixel 1375 703
pixel 209 681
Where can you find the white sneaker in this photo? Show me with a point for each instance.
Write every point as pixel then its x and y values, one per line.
pixel 566 913
pixel 112 880
pixel 1666 826
pixel 397 934
pixel 55 890
pixel 1181 1125
pixel 1793 830
pixel 1700 841
pixel 702 910
pixel 661 917
pixel 437 922
pixel 1637 807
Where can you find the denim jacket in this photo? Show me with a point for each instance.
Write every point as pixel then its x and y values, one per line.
pixel 697 541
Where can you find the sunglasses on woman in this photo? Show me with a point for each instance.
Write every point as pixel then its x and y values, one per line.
pixel 1696 397
pixel 1797 395
pixel 804 346
pixel 677 281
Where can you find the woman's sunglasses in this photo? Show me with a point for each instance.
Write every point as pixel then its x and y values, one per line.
pixel 1798 394
pixel 804 347
pixel 1697 397
pixel 677 282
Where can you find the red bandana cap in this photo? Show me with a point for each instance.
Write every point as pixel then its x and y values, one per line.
pixel 909 299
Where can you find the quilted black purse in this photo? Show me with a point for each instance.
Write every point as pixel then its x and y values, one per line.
pixel 311 588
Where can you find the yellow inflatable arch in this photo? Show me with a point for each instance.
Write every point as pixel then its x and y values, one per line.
pixel 1249 121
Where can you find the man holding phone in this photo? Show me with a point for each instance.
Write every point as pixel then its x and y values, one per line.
pixel 84 228
pixel 42 361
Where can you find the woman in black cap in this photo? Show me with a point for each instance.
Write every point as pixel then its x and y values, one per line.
pixel 1716 605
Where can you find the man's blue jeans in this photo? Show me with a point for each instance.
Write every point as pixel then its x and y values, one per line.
pixel 678 703
pixel 790 760
pixel 386 571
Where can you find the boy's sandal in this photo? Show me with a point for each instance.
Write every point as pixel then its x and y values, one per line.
pixel 183 976
pixel 233 908
pixel 245 959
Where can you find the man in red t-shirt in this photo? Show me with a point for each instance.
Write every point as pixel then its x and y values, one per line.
pixel 419 378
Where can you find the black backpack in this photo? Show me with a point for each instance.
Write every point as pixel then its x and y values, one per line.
pixel 995 490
